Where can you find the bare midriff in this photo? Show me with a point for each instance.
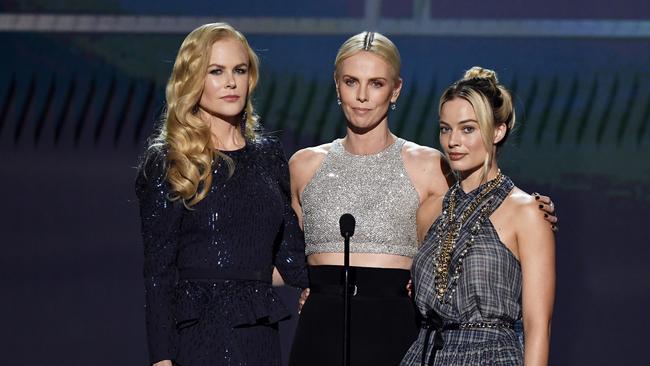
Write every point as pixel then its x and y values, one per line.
pixel 362 260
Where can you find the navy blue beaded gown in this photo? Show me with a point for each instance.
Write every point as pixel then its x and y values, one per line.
pixel 207 271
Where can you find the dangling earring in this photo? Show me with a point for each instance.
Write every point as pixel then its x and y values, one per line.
pixel 338 100
pixel 242 124
pixel 393 106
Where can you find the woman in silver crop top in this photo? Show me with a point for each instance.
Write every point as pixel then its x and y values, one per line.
pixel 381 179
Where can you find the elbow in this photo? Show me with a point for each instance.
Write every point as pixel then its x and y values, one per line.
pixel 537 328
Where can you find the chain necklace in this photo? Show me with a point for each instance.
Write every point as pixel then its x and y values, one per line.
pixel 454 225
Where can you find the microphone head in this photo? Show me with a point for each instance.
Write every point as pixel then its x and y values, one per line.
pixel 347 224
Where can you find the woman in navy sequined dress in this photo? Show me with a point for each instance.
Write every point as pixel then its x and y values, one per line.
pixel 216 214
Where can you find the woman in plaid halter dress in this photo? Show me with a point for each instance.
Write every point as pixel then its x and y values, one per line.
pixel 488 258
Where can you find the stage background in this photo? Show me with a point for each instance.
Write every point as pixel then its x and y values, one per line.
pixel 82 86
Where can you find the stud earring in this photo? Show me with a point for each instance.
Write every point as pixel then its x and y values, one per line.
pixel 338 100
pixel 393 106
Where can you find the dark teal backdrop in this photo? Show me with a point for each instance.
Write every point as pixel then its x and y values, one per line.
pixel 76 107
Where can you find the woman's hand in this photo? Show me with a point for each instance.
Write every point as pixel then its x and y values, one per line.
pixel 409 288
pixel 163 363
pixel 545 204
pixel 303 298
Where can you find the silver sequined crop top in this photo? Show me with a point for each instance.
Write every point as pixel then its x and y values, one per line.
pixel 375 189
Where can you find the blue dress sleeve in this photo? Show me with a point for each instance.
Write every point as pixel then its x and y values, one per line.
pixel 290 257
pixel 160 219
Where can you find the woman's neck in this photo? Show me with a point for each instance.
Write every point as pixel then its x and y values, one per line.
pixel 471 180
pixel 225 133
pixel 370 142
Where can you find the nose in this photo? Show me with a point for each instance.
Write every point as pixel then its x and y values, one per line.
pixel 362 95
pixel 454 139
pixel 230 81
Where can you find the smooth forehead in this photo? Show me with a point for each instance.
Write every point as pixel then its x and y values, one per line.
pixel 456 110
pixel 228 51
pixel 364 64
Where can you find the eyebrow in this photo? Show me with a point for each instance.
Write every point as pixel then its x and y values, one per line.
pixel 465 121
pixel 371 79
pixel 223 67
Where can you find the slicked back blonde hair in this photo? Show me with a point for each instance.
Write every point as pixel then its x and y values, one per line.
pixel 373 42
pixel 186 137
pixel 492 104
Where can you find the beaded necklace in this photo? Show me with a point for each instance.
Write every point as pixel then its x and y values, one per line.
pixel 454 224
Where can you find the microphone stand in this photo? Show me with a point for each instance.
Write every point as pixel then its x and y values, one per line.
pixel 346 223
pixel 346 300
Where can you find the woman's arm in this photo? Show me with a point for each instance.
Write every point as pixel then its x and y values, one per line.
pixel 160 220
pixel 302 168
pixel 427 213
pixel 290 262
pixel 294 178
pixel 536 247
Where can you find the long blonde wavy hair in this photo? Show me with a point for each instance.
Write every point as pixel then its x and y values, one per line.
pixel 183 134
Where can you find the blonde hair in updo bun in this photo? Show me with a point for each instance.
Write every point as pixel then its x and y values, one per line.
pixel 492 103
pixel 505 113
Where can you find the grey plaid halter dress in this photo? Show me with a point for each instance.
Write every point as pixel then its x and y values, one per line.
pixel 471 322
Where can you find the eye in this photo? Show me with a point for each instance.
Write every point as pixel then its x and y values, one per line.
pixel 444 129
pixel 468 129
pixel 377 84
pixel 241 70
pixel 349 82
pixel 216 71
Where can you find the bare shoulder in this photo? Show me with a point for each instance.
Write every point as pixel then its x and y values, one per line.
pixel 522 201
pixel 535 239
pixel 421 154
pixel 305 162
pixel 525 210
pixel 428 169
pixel 520 198
pixel 303 159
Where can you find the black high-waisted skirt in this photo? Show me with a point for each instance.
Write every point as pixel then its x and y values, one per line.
pixel 383 321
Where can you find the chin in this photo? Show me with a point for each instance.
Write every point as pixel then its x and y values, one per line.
pixel 366 124
pixel 360 125
pixel 232 111
pixel 223 111
pixel 458 168
pixel 464 170
pixel 227 113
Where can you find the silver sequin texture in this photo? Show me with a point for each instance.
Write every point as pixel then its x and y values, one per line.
pixel 375 189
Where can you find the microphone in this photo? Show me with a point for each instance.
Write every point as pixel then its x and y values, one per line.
pixel 347 224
